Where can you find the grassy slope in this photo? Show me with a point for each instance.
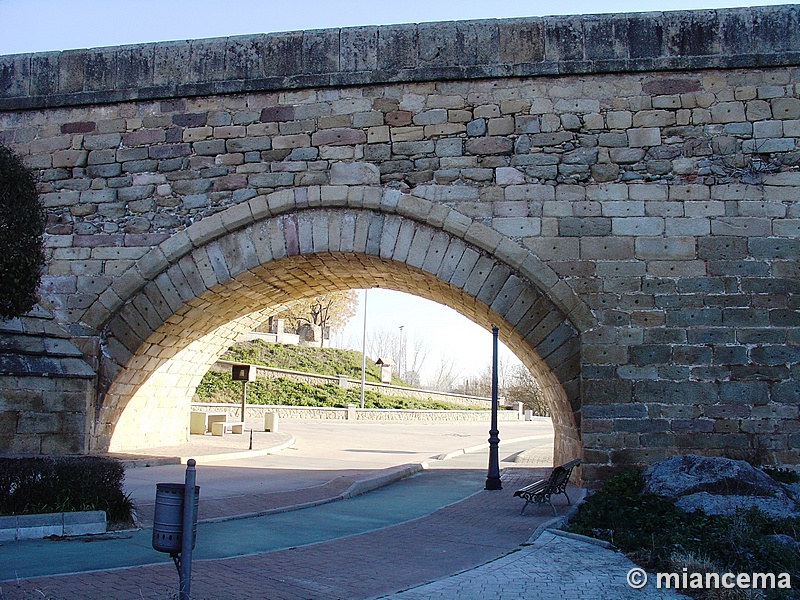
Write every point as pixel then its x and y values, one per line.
pixel 218 387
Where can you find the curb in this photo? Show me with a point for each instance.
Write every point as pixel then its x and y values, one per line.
pixel 479 447
pixel 558 521
pixel 160 461
pixel 357 488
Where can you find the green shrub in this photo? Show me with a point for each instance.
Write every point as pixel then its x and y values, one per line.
pixel 21 232
pixel 47 485
pixel 653 531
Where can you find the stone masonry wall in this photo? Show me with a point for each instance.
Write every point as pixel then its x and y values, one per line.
pixel 667 203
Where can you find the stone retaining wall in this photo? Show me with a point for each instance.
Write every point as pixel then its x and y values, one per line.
pixel 367 414
pixel 381 388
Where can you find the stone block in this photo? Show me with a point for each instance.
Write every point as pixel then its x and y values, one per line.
pixel 354 174
pixel 637 226
pixel 678 248
pixel 644 137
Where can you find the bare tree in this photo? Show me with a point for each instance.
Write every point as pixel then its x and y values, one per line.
pixel 419 354
pixel 446 375
pixel 382 343
pixel 332 311
pixel 524 388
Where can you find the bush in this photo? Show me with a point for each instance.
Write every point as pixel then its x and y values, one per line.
pixel 21 233
pixel 658 535
pixel 48 485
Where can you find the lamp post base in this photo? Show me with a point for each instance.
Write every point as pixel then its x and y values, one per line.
pixel 493 483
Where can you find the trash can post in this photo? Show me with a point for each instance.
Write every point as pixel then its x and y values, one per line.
pixel 187 538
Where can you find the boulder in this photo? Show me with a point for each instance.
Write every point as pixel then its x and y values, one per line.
pixel 719 486
pixel 679 476
pixel 778 507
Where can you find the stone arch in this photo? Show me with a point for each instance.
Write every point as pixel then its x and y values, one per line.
pixel 167 319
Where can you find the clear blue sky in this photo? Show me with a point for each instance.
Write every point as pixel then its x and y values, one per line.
pixel 43 25
pixel 40 25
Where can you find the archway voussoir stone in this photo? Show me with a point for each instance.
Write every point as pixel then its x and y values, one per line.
pixel 413 207
pixel 391 230
pixel 374 234
pixel 520 307
pixel 438 216
pixel 478 276
pixel 219 261
pixel 583 318
pixel 259 208
pixel 290 234
pixel 389 200
pixel 148 312
pixel 153 292
pixel 236 216
pixel 176 246
pixel 457 224
pixel 361 233
pixel 190 273
pixel 511 253
pixel 205 230
pixel 483 237
pixel 321 232
pixel 464 268
pixel 305 232
pixel 493 284
pixel 130 282
pixel 420 244
pixel 436 252
pixel 452 256
pixel 202 262
pixel 281 202
pixel 510 291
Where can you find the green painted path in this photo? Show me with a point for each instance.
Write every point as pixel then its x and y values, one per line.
pixel 403 501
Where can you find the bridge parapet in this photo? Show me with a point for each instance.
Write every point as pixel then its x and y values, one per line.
pixel 405 53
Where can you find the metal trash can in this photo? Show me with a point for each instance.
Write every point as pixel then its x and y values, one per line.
pixel 168 517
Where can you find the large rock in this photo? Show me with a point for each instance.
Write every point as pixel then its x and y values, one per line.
pixel 718 486
pixel 688 474
pixel 779 506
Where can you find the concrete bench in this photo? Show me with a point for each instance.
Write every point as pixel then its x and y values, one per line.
pixel 200 422
pixel 542 491
pixel 220 428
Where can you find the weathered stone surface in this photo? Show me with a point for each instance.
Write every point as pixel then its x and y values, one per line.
pixel 354 174
pixel 650 206
pixel 681 476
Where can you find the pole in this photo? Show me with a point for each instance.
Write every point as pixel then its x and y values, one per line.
pixel 187 536
pixel 244 398
pixel 493 474
pixel 364 351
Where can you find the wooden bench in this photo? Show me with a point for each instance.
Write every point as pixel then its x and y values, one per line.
pixel 222 427
pixel 541 491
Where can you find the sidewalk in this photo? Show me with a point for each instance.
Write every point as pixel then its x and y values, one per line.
pixel 434 535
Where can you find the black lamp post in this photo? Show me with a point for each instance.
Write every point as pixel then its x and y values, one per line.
pixel 493 475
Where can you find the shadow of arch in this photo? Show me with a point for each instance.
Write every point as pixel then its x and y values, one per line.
pixel 192 303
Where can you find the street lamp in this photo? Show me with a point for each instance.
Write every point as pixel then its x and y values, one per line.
pixel 400 354
pixel 493 474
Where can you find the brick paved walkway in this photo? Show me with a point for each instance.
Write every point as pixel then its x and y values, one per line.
pixel 473 549
pixel 461 536
pixel 552 568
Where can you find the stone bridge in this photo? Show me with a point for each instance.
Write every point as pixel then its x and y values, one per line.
pixel 619 194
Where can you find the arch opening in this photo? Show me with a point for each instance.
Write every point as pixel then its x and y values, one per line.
pixel 157 347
